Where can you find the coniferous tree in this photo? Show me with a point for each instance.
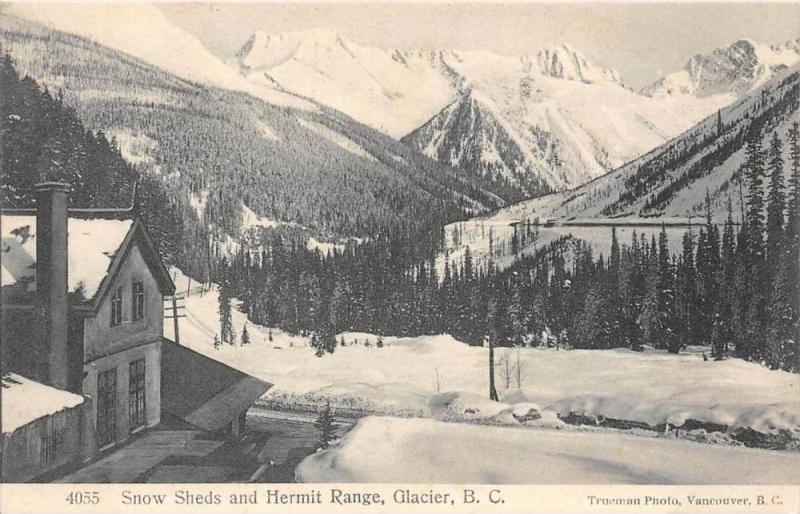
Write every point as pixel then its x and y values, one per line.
pixel 783 338
pixel 225 318
pixel 754 175
pixel 708 278
pixel 754 309
pixel 327 426
pixel 651 320
pixel 687 325
pixel 666 294
pixel 776 205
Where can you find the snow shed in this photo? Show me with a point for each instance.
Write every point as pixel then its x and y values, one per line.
pixel 204 392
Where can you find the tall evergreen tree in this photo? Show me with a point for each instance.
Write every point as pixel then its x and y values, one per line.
pixel 754 175
pixel 686 310
pixel 776 205
pixel 723 328
pixel 225 319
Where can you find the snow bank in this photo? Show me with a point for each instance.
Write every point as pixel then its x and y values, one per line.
pixel 768 419
pixel 467 403
pixel 25 401
pixel 384 450
pixel 459 406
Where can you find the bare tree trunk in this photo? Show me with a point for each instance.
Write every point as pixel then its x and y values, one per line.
pixel 519 370
pixel 492 390
pixel 507 370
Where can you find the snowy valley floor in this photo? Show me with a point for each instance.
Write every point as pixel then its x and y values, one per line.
pixel 438 377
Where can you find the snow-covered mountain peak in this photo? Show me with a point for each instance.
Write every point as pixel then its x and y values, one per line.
pixel 564 62
pixel 737 68
pixel 265 50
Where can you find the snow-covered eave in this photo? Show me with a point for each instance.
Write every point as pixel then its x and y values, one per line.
pixel 31 401
pixel 139 234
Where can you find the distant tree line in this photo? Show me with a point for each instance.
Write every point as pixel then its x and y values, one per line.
pixel 733 289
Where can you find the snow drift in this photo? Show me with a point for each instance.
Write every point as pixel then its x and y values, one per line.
pixel 385 450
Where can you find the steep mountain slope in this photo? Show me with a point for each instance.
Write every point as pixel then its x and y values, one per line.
pixel 668 184
pixel 142 31
pixel 220 150
pixel 736 69
pixel 532 124
pixel 561 131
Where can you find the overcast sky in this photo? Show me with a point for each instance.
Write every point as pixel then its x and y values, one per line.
pixel 641 40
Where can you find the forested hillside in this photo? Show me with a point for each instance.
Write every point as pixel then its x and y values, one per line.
pixel 42 139
pixel 731 288
pixel 217 151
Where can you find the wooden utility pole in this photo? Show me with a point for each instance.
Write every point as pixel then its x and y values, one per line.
pixel 173 311
pixel 492 322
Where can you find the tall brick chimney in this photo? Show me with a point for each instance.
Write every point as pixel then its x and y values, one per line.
pixel 51 277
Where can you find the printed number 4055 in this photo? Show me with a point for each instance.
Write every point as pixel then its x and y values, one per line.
pixel 83 498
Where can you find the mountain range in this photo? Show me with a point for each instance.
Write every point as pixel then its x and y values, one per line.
pixel 675 184
pixel 540 122
pixel 413 134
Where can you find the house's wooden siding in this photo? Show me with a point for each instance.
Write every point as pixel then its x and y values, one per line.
pixel 100 338
pixel 22 452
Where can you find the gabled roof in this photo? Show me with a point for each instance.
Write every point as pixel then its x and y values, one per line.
pixel 25 400
pixel 203 391
pixel 97 244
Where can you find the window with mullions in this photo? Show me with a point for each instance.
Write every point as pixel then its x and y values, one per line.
pixel 116 307
pixel 136 394
pixel 138 300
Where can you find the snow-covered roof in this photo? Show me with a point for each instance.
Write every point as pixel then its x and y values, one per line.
pixel 92 244
pixel 23 400
pixel 211 395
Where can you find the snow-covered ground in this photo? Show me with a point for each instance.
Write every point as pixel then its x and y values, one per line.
pixel 385 450
pixel 410 375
